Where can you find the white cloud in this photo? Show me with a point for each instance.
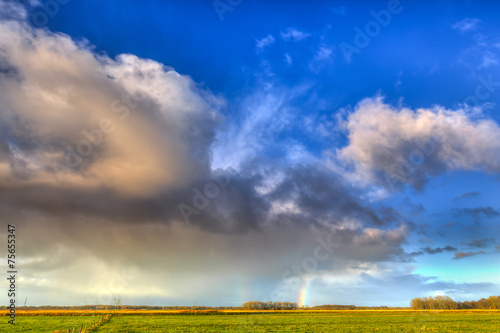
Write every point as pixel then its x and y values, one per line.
pixel 324 53
pixel 341 10
pixel 489 59
pixel 292 34
pixel 264 115
pixel 323 56
pixel 388 144
pixel 466 24
pixel 10 10
pixel 264 42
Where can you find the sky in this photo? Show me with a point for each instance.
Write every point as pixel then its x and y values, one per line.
pixel 219 152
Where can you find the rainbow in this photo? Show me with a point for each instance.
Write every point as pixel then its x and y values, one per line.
pixel 304 293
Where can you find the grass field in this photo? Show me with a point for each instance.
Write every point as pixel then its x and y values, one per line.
pixel 43 323
pixel 296 321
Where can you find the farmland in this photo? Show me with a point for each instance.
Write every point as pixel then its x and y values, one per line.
pixel 268 321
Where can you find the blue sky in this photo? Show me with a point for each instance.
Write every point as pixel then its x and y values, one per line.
pixel 374 123
pixel 426 52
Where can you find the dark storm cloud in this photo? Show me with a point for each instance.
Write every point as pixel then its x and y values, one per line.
pixel 321 195
pixel 319 198
pixel 371 245
pixel 235 207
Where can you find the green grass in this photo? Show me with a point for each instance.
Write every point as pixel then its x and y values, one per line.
pixel 310 322
pixel 353 321
pixel 43 323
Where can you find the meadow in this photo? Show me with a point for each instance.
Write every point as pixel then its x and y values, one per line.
pixel 269 321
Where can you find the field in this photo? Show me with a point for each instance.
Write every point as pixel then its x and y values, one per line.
pixel 277 321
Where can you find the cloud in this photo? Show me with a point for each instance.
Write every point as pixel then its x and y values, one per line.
pixel 476 212
pixel 97 154
pixel 323 56
pixel 467 195
pixel 261 118
pixel 341 10
pixel 391 146
pixel 324 53
pixel 415 209
pixel 292 34
pixel 436 250
pixel 124 139
pixel 370 282
pixel 59 160
pixel 261 44
pixel 466 24
pixel 314 196
pixel 480 243
pixel 429 250
pixel 10 10
pixel 58 251
pixel 489 59
pixel 79 122
pixel 461 255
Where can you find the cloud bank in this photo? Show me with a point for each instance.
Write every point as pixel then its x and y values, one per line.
pixel 98 155
pixel 391 146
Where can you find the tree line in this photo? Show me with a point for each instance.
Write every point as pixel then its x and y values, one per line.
pixel 446 303
pixel 269 305
pixel 254 305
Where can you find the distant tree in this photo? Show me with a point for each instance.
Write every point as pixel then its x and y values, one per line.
pixel 433 303
pixel 493 302
pixel 269 305
pixel 446 303
pixel 117 301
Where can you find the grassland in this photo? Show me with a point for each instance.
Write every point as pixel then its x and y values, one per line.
pixel 277 321
pixel 61 323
